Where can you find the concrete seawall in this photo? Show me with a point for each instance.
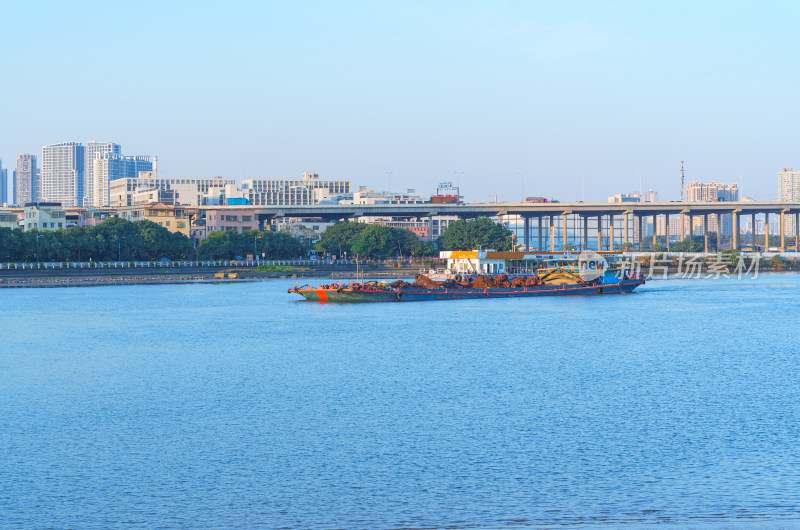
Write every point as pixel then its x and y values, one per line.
pixel 43 277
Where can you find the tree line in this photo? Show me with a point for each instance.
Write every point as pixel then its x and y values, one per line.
pixel 374 241
pixel 119 239
pixel 110 240
pixel 268 245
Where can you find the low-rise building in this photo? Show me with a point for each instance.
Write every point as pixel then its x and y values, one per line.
pixel 95 216
pixel 9 220
pixel 309 189
pixel 44 216
pixel 173 218
pixel 239 220
pixel 187 192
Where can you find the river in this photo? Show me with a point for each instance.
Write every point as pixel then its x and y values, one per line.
pixel 238 405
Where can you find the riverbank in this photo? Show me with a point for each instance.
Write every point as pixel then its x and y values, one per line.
pixel 127 275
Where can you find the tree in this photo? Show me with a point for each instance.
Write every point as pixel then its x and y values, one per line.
pixel 423 249
pixel 339 237
pixel 230 243
pixel 374 241
pixel 479 233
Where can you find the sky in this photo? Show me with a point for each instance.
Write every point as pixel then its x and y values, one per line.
pixel 568 100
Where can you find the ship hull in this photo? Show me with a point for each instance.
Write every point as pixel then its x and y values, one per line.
pixel 418 295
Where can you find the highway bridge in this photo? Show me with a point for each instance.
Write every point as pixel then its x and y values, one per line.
pixel 557 225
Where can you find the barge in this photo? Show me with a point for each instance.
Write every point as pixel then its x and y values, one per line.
pixel 450 290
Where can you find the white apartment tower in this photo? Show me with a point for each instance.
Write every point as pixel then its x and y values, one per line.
pixel 27 179
pixel 108 167
pixel 62 177
pixel 789 185
pixel 94 150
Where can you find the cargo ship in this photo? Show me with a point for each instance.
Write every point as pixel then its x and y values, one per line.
pixel 424 288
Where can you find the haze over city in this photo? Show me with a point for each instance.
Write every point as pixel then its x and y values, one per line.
pixel 506 98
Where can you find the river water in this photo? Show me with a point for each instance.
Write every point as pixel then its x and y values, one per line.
pixel 237 405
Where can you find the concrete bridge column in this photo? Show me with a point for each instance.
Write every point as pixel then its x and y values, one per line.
pixel 719 231
pixel 611 232
pixel 625 230
pixel 735 234
pixel 564 233
pixel 766 231
pixel 599 233
pixel 539 231
pixel 552 233
pixel 797 232
pixel 753 230
pixel 641 234
pixel 655 241
pixel 429 222
pixel 783 235
pixel 691 227
pixel 585 219
pixel 666 228
pixel 705 231
pixel 526 238
pixel 683 227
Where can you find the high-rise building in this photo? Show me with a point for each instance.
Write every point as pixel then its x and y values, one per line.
pixel 27 179
pixel 108 167
pixel 711 192
pixel 94 150
pixel 789 185
pixel 3 184
pixel 62 177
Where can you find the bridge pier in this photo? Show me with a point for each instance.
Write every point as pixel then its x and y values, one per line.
pixel 585 220
pixel 599 233
pixel 625 231
pixel 753 230
pixel 705 231
pixel 719 231
pixel 797 232
pixel 611 232
pixel 526 237
pixel 666 229
pixel 735 234
pixel 641 235
pixel 783 235
pixel 766 231
pixel 552 233
pixel 655 241
pixel 564 233
pixel 683 227
pixel 539 246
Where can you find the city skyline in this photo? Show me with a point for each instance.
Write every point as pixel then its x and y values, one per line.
pixel 514 99
pixel 107 153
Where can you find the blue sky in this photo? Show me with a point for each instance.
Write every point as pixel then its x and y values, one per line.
pixel 503 97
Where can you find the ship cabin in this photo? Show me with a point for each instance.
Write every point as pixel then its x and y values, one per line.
pixel 466 262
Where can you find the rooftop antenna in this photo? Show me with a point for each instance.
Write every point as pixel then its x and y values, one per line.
pixel 682 175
